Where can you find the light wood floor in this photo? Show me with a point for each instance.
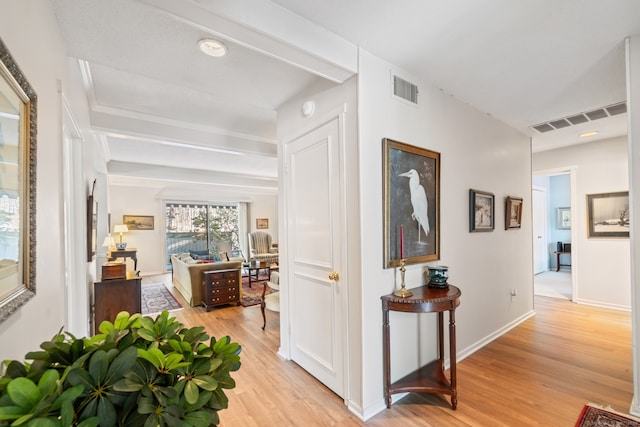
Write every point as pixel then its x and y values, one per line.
pixel 539 374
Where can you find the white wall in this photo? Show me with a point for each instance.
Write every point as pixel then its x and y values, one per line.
pixel 477 152
pixel 601 167
pixel 137 199
pixel 264 207
pixel 29 30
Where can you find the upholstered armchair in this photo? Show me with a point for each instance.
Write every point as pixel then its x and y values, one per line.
pixel 261 247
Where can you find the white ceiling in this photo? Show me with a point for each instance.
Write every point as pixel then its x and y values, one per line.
pixel 157 101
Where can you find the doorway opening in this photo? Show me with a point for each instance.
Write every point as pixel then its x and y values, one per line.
pixel 552 235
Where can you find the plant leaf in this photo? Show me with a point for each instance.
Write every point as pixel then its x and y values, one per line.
pixel 98 366
pixel 199 419
pixel 205 382
pixel 24 393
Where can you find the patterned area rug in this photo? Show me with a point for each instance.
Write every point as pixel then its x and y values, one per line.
pixel 157 298
pixel 592 416
pixel 251 295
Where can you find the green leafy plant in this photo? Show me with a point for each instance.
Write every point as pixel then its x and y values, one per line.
pixel 138 371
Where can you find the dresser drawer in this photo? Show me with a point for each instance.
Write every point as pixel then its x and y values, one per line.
pixel 212 301
pixel 222 290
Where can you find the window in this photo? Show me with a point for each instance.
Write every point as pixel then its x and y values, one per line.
pixel 201 226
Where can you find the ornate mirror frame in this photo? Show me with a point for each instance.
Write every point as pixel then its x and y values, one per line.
pixel 18 113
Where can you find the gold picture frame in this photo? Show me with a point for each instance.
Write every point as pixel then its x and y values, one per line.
pixel 262 223
pixel 138 222
pixel 513 213
pixel 18 141
pixel 411 179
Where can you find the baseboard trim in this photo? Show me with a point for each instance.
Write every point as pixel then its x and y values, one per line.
pixel 603 305
pixel 491 337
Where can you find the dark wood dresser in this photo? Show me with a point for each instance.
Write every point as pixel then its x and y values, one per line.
pixel 113 296
pixel 220 287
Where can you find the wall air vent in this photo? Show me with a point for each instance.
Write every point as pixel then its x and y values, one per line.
pixel 405 90
pixel 576 119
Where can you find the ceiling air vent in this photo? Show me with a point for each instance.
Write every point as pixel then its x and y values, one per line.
pixel 405 90
pixel 596 114
pixel 576 119
pixel 559 124
pixel 616 109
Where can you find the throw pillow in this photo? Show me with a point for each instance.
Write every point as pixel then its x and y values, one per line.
pixel 198 253
pixel 202 257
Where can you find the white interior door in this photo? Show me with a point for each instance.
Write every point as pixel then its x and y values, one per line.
pixel 540 253
pixel 314 235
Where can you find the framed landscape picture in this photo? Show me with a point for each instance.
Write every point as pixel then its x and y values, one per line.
pixel 482 215
pixel 411 181
pixel 513 213
pixel 138 222
pixel 262 223
pixel 608 214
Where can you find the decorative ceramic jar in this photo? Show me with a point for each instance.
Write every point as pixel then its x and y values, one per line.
pixel 438 275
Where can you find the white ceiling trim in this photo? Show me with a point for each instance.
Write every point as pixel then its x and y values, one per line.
pixel 202 177
pixel 157 131
pixel 271 30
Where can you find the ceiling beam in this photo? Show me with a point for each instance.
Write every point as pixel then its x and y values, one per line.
pixel 153 130
pixel 191 176
pixel 270 29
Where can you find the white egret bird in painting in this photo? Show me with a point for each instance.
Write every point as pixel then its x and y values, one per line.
pixel 418 201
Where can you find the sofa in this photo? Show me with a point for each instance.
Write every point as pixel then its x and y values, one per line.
pixel 187 274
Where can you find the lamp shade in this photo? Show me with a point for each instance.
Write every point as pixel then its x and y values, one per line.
pixel 120 228
pixel 109 242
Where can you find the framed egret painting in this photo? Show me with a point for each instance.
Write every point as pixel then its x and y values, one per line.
pixel 411 204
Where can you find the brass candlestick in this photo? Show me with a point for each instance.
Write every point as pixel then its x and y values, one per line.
pixel 402 292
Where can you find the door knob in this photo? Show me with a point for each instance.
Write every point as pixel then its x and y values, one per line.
pixel 334 276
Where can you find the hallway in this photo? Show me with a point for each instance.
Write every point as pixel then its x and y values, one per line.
pixel 553 284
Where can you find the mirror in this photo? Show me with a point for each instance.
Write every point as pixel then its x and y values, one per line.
pixel 17 186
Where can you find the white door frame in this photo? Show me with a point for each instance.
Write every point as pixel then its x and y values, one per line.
pixel 77 298
pixel 545 236
pixel 575 247
pixel 286 257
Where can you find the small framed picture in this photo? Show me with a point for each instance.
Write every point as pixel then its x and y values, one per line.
pixel 564 219
pixel 262 223
pixel 608 214
pixel 481 211
pixel 513 213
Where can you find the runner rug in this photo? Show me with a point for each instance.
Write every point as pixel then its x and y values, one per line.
pixel 252 295
pixel 592 416
pixel 157 298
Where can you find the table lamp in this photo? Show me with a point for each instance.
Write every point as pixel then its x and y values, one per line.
pixel 121 228
pixel 109 243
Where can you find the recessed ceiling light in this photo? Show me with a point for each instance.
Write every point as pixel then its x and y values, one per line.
pixel 212 47
pixel 588 133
